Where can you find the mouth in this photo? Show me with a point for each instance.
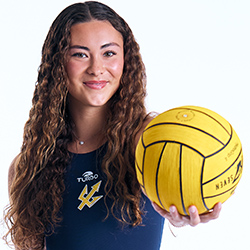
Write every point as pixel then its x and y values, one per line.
pixel 96 84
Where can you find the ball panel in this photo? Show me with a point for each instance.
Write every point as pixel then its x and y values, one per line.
pixel 199 118
pixel 168 178
pixel 217 164
pixel 209 114
pixel 139 155
pixel 190 169
pixel 205 143
pixel 150 168
pixel 221 186
pixel 139 174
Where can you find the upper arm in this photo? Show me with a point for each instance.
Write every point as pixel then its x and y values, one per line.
pixel 148 119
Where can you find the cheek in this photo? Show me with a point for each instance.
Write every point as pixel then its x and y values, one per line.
pixel 72 69
pixel 117 69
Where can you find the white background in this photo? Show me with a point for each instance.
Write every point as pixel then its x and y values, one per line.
pixel 195 52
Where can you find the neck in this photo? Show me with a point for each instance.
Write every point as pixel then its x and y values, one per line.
pixel 88 127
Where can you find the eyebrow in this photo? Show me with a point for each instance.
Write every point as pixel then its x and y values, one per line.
pixel 102 47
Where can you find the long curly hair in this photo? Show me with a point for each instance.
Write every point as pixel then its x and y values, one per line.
pixel 38 185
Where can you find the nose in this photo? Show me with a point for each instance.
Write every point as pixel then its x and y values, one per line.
pixel 96 66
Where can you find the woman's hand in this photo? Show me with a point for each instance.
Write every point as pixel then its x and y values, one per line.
pixel 194 219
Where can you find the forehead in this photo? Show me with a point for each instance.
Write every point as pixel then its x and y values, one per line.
pixel 94 32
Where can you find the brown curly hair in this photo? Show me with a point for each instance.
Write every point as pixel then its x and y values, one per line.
pixel 36 190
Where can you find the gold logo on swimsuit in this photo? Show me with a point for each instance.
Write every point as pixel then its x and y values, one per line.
pixel 87 198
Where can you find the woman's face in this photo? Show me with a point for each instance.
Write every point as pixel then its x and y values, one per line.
pixel 94 63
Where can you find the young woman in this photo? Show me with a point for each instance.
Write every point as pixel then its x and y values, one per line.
pixel 73 185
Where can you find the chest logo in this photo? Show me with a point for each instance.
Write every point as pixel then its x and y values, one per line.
pixel 88 198
pixel 87 176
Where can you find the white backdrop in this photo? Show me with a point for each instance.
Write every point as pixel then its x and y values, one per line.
pixel 195 52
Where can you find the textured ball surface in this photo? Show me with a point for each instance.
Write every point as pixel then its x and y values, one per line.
pixel 189 156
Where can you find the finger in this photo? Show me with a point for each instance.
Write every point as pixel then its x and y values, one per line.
pixel 194 216
pixel 176 219
pixel 162 212
pixel 174 213
pixel 173 216
pixel 212 215
pixel 216 210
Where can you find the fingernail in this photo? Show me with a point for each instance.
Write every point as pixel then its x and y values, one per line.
pixel 172 209
pixel 192 210
pixel 219 205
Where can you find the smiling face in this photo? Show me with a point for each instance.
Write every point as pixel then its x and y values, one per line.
pixel 94 63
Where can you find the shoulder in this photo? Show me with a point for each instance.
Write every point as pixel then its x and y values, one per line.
pixel 147 120
pixel 11 173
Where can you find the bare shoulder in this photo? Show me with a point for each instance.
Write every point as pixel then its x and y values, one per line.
pixel 11 174
pixel 147 120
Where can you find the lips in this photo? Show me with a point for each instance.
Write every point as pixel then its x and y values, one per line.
pixel 95 84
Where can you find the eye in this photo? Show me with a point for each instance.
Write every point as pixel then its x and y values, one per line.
pixel 79 55
pixel 109 53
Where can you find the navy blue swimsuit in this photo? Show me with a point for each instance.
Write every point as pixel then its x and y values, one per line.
pixel 83 211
